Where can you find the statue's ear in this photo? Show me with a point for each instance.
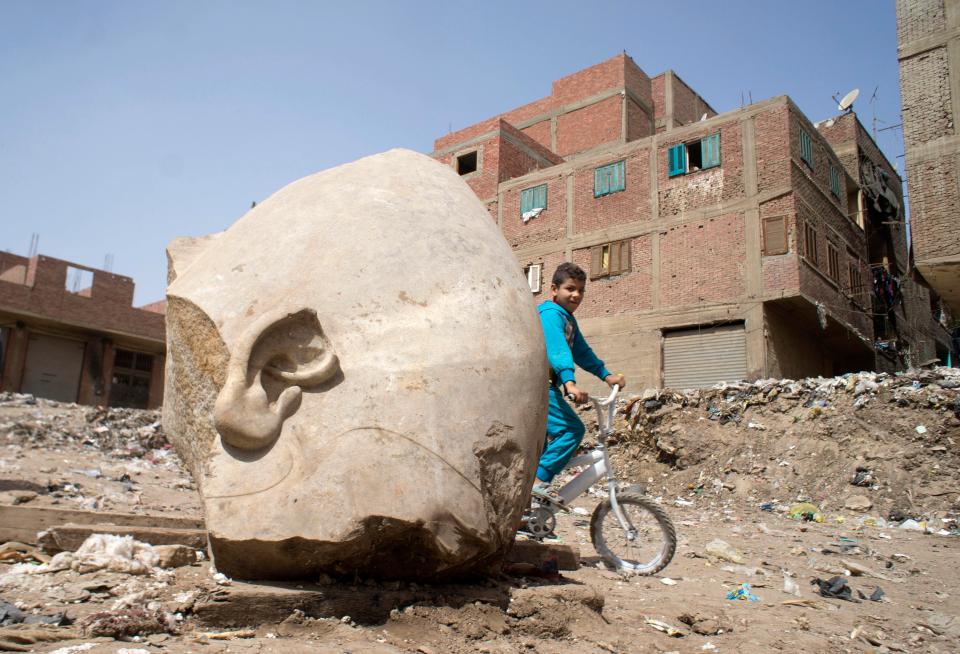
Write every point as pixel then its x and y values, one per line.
pixel 277 356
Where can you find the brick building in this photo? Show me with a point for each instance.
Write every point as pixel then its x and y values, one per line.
pixel 719 246
pixel 70 333
pixel 928 39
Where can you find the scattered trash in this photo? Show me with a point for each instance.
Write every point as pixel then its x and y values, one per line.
pixel 723 550
pixel 667 581
pixel 666 628
pixel 835 587
pixel 127 623
pixel 805 511
pixel 743 593
pixel 230 635
pixel 863 477
pixel 875 596
pixel 913 525
pixel 14 552
pixel 10 614
pixel 921 429
pixel 790 587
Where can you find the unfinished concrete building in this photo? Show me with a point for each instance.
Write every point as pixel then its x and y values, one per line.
pixel 718 246
pixel 928 39
pixel 70 333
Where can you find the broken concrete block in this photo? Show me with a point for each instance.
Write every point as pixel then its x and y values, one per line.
pixel 175 556
pixel 355 376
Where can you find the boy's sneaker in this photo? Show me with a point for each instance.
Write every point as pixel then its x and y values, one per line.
pixel 545 494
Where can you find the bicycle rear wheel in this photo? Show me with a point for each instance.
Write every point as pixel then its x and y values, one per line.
pixel 646 547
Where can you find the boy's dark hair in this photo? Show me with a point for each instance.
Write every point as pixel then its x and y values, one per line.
pixel 567 270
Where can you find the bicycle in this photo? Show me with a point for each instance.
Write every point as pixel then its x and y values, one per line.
pixel 649 539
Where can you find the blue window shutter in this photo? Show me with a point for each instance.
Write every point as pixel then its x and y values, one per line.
pixel 677 160
pixel 598 182
pixel 542 196
pixel 617 173
pixel 710 151
pixel 525 201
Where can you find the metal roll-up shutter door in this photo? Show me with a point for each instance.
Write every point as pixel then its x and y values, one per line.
pixel 53 367
pixel 695 358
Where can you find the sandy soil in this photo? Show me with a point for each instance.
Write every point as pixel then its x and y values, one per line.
pixel 734 481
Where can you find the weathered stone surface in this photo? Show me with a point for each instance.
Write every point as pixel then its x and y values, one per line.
pixel 355 376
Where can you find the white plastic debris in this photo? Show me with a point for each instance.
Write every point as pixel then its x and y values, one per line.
pixel 921 429
pixel 790 587
pixel 667 581
pixel 222 579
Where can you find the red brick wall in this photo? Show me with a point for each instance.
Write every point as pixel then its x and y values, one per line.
pixel 773 139
pixel 702 262
pixel 639 124
pixel 108 308
pixel 551 224
pixel 687 105
pixel 611 296
pixel 540 132
pixel 703 188
pixel 589 127
pixel 925 90
pixel 781 273
pixel 658 89
pixel 589 81
pixel 549 262
pixel 628 205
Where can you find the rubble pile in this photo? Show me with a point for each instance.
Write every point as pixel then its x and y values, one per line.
pixel 124 433
pixel 859 442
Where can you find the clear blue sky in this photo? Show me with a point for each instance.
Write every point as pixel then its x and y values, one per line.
pixel 126 124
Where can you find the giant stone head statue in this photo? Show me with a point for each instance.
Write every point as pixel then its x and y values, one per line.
pixel 356 377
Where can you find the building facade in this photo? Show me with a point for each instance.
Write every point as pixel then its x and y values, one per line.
pixel 928 39
pixel 70 333
pixel 718 246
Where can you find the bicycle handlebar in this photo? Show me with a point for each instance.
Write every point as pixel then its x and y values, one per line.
pixel 613 394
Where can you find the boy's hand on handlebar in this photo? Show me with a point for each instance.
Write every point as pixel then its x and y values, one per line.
pixel 571 391
pixel 616 380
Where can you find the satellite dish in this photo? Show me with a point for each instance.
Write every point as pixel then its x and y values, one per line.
pixel 703 117
pixel 848 99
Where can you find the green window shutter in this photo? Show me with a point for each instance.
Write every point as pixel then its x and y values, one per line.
pixel 677 160
pixel 533 198
pixel 617 177
pixel 608 179
pixel 599 183
pixel 806 147
pixel 710 151
pixel 834 181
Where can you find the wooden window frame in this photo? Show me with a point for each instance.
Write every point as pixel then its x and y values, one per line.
pixel 810 244
pixel 783 247
pixel 855 276
pixel 833 262
pixel 610 259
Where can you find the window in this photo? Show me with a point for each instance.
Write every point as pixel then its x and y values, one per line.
pixel 806 148
pixel 775 235
pixel 467 163
pixel 79 281
pixel 810 243
pixel 610 259
pixel 533 198
pixel 696 155
pixel 835 181
pixel 833 262
pixel 608 179
pixel 131 379
pixel 534 273
pixel 856 277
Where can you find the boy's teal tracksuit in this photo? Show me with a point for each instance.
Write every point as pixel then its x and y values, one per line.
pixel 565 347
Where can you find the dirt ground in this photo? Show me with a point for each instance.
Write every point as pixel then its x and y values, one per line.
pixel 871 453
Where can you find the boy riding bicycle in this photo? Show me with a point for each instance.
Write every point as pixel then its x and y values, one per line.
pixel 565 348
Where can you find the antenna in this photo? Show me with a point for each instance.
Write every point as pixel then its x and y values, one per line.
pixel 873 106
pixel 34 245
pixel 846 104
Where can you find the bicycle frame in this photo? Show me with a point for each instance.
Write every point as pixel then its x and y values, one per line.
pixel 597 462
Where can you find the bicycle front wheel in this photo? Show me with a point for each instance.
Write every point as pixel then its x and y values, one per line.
pixel 648 543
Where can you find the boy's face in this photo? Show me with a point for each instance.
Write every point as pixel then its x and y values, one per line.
pixel 569 293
